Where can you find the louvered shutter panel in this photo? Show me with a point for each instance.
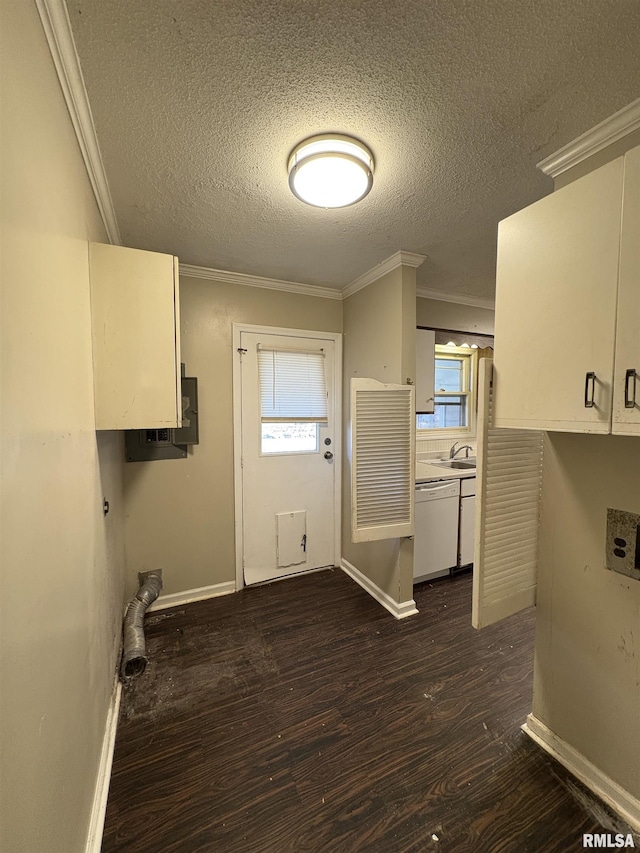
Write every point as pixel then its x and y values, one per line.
pixel 382 460
pixel 508 484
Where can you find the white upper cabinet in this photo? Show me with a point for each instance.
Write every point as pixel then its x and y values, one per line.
pixel 626 383
pixel 425 370
pixel 136 338
pixel 556 303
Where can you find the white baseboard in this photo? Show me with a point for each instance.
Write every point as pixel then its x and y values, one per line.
pixel 621 801
pixel 189 595
pixel 399 610
pixel 101 791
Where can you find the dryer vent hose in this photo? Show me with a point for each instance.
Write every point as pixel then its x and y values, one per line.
pixel 134 654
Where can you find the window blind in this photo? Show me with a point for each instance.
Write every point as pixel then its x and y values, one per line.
pixel 293 386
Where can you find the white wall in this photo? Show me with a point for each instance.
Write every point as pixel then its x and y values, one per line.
pixel 180 512
pixel 436 314
pixel 379 343
pixel 587 658
pixel 61 561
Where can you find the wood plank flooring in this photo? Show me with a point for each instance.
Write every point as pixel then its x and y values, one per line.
pixel 301 717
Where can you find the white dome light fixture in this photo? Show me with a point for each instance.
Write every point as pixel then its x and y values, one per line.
pixel 330 170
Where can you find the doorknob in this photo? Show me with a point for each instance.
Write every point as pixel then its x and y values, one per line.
pixel 328 454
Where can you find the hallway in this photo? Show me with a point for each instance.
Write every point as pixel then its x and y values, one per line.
pixel 300 716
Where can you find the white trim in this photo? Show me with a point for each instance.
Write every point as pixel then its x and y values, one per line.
pixel 615 796
pixel 57 28
pixel 237 454
pixel 610 130
pixel 300 574
pixel 456 298
pixel 200 593
pixel 406 259
pixel 101 790
pixel 399 610
pixel 238 329
pixel 259 281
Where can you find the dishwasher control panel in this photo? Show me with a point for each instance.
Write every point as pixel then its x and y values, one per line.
pixel 437 489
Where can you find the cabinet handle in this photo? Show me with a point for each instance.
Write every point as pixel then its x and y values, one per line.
pixel 589 394
pixel 629 401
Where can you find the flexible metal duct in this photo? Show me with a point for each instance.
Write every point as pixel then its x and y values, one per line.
pixel 134 654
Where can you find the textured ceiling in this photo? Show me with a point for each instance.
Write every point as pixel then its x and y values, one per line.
pixel 198 103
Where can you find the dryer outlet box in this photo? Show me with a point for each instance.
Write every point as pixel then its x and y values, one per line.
pixel 142 576
pixel 623 543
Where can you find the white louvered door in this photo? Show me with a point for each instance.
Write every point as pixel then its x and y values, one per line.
pixel 508 484
pixel 382 460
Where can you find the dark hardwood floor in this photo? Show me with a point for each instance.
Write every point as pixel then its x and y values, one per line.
pixel 301 716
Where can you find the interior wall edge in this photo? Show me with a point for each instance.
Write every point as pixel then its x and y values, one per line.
pixel 401 610
pixel 57 27
pixel 620 800
pixel 103 778
pixel 189 596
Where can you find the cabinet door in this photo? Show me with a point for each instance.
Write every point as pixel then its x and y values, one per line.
pixel 626 382
pixel 557 277
pixel 467 525
pixel 136 338
pixel 425 370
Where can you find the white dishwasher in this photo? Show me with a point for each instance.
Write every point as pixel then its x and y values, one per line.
pixel 436 529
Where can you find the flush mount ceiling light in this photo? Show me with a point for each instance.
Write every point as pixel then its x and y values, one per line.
pixel 330 171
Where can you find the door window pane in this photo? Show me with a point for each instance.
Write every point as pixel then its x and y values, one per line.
pixel 299 437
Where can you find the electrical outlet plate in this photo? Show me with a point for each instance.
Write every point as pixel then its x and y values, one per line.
pixel 623 543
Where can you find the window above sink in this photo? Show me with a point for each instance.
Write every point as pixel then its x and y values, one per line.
pixel 454 386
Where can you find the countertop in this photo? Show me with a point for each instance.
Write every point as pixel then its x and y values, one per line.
pixel 426 470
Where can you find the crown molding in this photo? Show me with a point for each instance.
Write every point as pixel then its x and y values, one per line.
pixel 258 281
pixel 456 298
pixel 610 130
pixel 57 28
pixel 406 259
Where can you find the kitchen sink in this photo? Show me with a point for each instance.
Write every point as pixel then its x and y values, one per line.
pixel 461 464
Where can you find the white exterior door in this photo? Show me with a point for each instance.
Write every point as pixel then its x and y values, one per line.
pixel 288 465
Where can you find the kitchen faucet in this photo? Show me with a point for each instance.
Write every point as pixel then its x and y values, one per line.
pixel 453 452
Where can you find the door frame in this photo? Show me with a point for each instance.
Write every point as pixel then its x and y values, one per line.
pixel 336 337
